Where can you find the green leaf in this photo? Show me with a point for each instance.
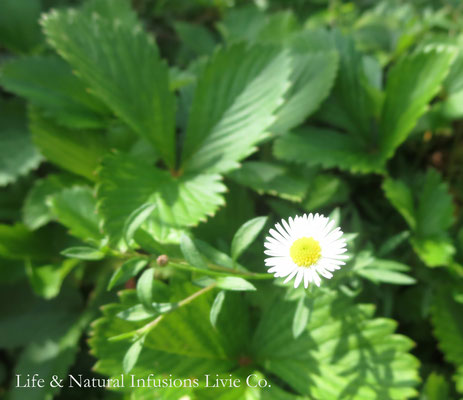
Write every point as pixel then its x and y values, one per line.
pixel 401 197
pixel 130 78
pixel 447 321
pixel 54 354
pixel 46 280
pixel 392 243
pixel 77 151
pixel 26 318
pixel 19 30
pixel 127 183
pixel 434 252
pixel 75 208
pixel 195 38
pixel 36 211
pixel 136 219
pixel 126 271
pixel 316 146
pixel 18 243
pixel 435 207
pixel 325 190
pixel 245 235
pixel 353 101
pixel 243 23
pixel 234 103
pixel 271 178
pixel 343 352
pixel 145 288
pixel 387 276
pixel 301 317
pixel 47 82
pixel 83 253
pixel 191 253
pixel 374 124
pixel 216 307
pixel 131 357
pixel 313 74
pixel 182 344
pixel 140 312
pixel 411 84
pixel 379 271
pixel 427 206
pixel 18 156
pixel 435 388
pixel 234 283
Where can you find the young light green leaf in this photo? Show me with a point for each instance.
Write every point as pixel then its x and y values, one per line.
pixel 245 235
pixel 130 78
pixel 301 316
pixel 126 271
pixel 136 219
pixel 83 253
pixel 436 388
pixel 191 253
pixel 234 283
pixel 139 312
pixel 131 357
pixel 386 276
pixel 145 288
pixel 216 307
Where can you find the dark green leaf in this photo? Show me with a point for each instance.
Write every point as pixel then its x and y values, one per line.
pixel 18 155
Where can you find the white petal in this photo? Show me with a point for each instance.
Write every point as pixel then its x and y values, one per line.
pixel 298 280
pixel 291 275
pixel 307 277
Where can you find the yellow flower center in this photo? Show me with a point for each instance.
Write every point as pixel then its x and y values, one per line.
pixel 305 251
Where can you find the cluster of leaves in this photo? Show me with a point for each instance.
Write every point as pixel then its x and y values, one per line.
pixel 145 149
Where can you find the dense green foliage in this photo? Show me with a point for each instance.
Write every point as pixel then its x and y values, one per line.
pixel 147 146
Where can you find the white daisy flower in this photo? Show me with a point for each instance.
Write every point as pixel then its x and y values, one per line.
pixel 304 248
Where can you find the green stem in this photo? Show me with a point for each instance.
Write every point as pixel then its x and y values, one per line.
pixel 220 271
